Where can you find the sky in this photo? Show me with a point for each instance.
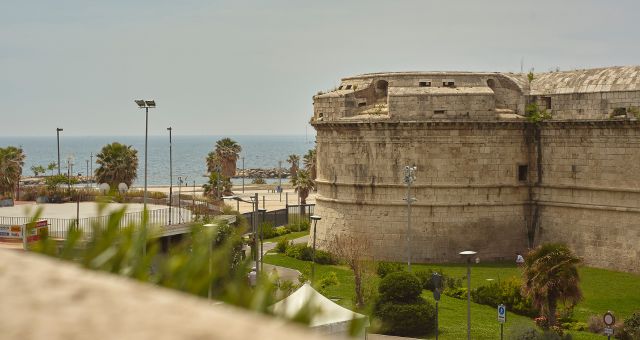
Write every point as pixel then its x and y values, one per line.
pixel 252 67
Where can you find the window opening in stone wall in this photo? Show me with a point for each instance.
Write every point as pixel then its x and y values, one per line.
pixel 620 111
pixel 424 84
pixel 439 112
pixel 362 102
pixel 348 87
pixel 382 86
pixel 320 114
pixel 546 103
pixel 448 84
pixel 523 172
pixel 340 88
pixel 491 83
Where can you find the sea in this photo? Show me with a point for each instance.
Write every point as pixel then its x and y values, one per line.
pixel 189 154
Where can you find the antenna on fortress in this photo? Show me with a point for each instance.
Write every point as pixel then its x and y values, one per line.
pixel 522 65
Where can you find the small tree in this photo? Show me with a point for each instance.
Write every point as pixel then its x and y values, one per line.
pixel 11 162
pixel 52 166
pixel 294 162
pixel 550 274
pixel 354 252
pixel 37 169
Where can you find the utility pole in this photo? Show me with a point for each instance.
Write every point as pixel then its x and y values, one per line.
pixel 170 174
pixel 280 179
pixel 58 137
pixel 243 175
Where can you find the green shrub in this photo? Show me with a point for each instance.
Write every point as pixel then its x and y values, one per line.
pixel 279 231
pixel 328 280
pixel 525 332
pixel 299 251
pixel 406 319
pixel 505 292
pixel 305 253
pixel 400 287
pixel 385 268
pixel 324 257
pixel 267 230
pixel 456 292
pixel 282 245
pixel 631 327
pixel 303 225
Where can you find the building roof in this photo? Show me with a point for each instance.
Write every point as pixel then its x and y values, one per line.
pixel 608 79
pixel 414 91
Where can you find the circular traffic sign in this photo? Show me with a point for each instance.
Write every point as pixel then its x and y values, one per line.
pixel 608 319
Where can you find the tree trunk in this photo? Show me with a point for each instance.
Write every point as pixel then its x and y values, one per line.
pixel 553 306
pixel 358 288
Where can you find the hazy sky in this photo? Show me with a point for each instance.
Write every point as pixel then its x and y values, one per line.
pixel 251 67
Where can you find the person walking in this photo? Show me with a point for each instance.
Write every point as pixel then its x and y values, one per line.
pixel 519 260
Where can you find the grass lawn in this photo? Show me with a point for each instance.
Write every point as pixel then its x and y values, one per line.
pixel 289 236
pixel 603 290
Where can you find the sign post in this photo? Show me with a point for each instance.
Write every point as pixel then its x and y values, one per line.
pixel 436 279
pixel 609 320
pixel 502 318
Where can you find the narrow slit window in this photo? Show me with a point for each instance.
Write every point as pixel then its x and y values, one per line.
pixel 448 84
pixel 546 102
pixel 523 172
pixel 424 84
pixel 340 88
pixel 348 87
pixel 439 112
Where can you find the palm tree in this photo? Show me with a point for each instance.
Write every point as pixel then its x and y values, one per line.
pixel 294 161
pixel 52 166
pixel 550 274
pixel 37 169
pixel 11 163
pixel 117 163
pixel 226 155
pixel 310 163
pixel 303 184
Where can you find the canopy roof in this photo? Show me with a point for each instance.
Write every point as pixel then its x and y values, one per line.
pixel 326 312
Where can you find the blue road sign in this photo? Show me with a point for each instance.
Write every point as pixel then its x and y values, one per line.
pixel 502 313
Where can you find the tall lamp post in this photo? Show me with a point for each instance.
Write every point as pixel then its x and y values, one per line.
pixel 409 178
pixel 146 105
pixel 262 211
pixel 170 174
pixel 315 219
pixel 468 254
pixel 58 137
pixel 242 174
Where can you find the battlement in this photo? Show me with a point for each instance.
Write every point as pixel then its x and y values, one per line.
pixel 582 94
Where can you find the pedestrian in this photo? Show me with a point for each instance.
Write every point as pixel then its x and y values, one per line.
pixel 519 260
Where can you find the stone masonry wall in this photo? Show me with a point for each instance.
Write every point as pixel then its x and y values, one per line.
pixel 598 105
pixel 467 190
pixel 590 191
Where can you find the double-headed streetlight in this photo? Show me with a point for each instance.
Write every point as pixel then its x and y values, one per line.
pixel 254 225
pixel 315 219
pixel 468 254
pixel 58 137
pixel 409 178
pixel 170 174
pixel 146 105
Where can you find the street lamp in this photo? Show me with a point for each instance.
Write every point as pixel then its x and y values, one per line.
pixel 262 211
pixel 78 205
pixel 409 178
pixel 315 219
pixel 254 223
pixel 170 174
pixel 146 105
pixel 468 254
pixel 58 137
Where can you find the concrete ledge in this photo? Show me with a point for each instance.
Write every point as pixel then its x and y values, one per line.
pixel 43 298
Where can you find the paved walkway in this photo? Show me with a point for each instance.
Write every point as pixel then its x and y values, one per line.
pixel 283 272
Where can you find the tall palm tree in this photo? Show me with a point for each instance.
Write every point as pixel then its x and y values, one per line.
pixel 303 184
pixel 52 166
pixel 550 274
pixel 294 161
pixel 310 163
pixel 11 163
pixel 226 155
pixel 117 163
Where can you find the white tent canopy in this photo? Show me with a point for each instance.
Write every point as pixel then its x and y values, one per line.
pixel 328 317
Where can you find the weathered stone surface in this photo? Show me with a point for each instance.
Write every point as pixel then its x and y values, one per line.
pixel 47 299
pixel 478 182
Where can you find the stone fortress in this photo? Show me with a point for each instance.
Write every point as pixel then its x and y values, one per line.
pixel 488 179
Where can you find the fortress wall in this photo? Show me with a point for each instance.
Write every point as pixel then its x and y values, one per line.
pixel 467 190
pixel 474 106
pixel 595 105
pixel 590 191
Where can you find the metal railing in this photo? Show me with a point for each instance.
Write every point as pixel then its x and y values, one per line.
pixel 58 227
pixel 292 214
